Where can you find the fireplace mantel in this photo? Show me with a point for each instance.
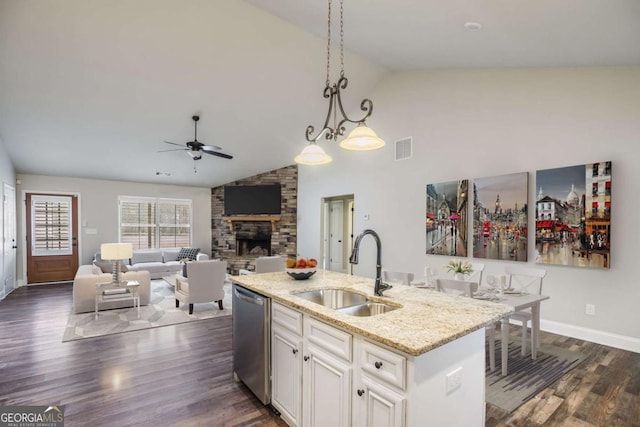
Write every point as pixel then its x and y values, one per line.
pixel 270 218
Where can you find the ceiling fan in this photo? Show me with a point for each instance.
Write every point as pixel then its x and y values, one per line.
pixel 195 148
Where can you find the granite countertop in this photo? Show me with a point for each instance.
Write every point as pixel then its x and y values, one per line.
pixel 427 319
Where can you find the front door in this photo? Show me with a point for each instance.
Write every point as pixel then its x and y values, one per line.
pixel 52 237
pixel 9 238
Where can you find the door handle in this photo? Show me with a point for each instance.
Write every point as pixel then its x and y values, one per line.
pixel 14 247
pixel 360 392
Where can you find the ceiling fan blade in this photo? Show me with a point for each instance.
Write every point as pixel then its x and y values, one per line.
pixel 211 147
pixel 173 143
pixel 174 149
pixel 219 154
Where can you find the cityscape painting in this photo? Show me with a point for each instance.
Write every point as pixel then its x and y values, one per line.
pixel 573 215
pixel 446 218
pixel 500 217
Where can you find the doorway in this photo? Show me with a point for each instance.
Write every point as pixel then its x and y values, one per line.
pixel 8 221
pixel 52 237
pixel 337 232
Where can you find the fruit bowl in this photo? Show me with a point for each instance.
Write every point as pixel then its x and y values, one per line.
pixel 300 273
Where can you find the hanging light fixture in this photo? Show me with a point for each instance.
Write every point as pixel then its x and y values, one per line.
pixel 362 137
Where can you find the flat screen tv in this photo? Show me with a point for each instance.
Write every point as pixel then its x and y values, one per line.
pixel 252 199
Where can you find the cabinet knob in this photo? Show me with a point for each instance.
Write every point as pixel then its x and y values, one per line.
pixel 378 365
pixel 295 351
pixel 360 392
pixel 306 358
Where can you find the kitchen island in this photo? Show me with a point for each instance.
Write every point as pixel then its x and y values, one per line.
pixel 420 364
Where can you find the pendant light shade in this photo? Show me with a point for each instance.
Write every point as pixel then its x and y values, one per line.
pixel 362 138
pixel 313 154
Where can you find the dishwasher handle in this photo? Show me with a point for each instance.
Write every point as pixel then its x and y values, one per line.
pixel 247 296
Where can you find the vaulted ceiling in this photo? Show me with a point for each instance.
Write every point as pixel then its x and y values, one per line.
pixel 93 88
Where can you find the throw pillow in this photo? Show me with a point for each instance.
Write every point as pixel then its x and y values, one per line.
pixel 190 253
pixel 105 266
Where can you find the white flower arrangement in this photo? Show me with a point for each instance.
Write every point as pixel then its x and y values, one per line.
pixel 459 266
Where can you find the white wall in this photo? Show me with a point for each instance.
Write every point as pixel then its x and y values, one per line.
pixel 98 209
pixel 476 123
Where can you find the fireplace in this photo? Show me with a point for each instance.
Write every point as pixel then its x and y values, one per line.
pixel 253 245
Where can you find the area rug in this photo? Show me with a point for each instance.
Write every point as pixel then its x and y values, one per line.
pixel 161 311
pixel 526 377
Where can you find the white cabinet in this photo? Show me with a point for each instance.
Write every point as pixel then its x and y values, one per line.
pixel 377 406
pixel 311 372
pixel 323 376
pixel 286 369
pixel 380 399
pixel 326 390
pixel 286 363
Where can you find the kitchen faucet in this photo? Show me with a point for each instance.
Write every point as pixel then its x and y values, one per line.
pixel 379 287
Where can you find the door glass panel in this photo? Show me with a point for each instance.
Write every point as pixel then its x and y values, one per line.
pixel 51 226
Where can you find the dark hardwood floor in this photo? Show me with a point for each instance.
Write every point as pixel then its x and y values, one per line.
pixel 171 376
pixel 181 375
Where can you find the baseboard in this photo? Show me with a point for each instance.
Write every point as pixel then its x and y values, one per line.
pixel 593 335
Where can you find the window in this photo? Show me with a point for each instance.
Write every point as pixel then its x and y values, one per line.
pixel 155 223
pixel 51 225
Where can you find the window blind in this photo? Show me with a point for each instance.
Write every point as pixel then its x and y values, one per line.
pixel 155 223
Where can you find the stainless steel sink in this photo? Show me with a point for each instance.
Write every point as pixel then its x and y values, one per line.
pixel 367 309
pixel 333 298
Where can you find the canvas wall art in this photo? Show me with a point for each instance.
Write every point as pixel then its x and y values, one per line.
pixel 573 215
pixel 500 217
pixel 446 218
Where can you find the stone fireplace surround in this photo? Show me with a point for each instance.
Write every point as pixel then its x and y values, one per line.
pixel 226 230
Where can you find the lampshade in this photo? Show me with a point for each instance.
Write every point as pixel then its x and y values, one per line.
pixel 362 138
pixel 116 251
pixel 313 154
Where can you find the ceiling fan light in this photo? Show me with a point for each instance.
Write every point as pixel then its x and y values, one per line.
pixel 195 155
pixel 362 138
pixel 313 155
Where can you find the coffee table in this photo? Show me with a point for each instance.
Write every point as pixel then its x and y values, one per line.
pixel 127 290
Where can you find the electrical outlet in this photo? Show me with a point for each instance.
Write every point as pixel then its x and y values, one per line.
pixel 590 309
pixel 454 380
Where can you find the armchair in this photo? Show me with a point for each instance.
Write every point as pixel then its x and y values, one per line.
pixel 204 283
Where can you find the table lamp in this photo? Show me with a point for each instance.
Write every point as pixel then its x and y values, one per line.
pixel 116 252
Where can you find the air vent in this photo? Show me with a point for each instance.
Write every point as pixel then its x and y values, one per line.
pixel 404 148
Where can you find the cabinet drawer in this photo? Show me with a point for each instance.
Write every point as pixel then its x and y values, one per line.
pixel 329 338
pixel 287 318
pixel 383 364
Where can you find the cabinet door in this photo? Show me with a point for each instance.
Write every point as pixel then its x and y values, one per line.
pixel 327 390
pixel 286 374
pixel 377 406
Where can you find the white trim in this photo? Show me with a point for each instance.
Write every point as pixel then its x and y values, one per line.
pixel 593 335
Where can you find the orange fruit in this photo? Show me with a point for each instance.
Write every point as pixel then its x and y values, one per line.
pixel 291 263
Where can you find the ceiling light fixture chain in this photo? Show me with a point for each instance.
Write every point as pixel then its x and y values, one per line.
pixel 332 92
pixel 341 39
pixel 328 80
pixel 361 138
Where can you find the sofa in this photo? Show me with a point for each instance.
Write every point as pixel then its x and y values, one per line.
pixel 84 288
pixel 158 262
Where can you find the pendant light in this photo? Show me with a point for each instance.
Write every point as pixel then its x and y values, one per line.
pixel 362 137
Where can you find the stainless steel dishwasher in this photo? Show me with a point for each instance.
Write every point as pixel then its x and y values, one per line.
pixel 252 341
